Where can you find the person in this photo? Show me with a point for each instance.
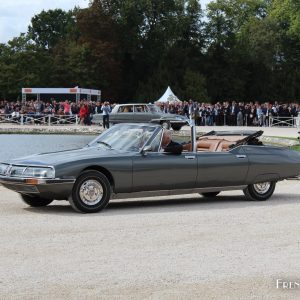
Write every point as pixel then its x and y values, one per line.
pixel 82 113
pixel 167 145
pixel 105 112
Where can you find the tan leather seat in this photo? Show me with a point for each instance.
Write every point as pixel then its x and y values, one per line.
pixel 207 145
pixel 224 146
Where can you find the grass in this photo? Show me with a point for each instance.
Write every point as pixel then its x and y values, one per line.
pixel 297 148
pixel 284 137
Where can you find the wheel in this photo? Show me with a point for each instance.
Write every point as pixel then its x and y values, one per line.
pixel 91 192
pixel 35 201
pixel 165 124
pixel 210 194
pixel 259 191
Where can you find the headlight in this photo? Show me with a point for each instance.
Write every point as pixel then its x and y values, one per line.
pixel 39 172
pixel 32 172
pixel 3 168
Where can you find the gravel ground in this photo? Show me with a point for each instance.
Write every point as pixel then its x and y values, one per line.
pixel 184 247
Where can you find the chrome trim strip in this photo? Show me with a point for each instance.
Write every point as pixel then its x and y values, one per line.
pixel 293 178
pixel 176 192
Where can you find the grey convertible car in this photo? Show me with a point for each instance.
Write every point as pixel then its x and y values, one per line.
pixel 128 160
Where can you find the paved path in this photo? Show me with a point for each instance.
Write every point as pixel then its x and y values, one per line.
pixel 184 247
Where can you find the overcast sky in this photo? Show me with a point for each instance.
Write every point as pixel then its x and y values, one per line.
pixel 15 15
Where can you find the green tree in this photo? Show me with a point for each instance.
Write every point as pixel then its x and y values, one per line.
pixel 49 27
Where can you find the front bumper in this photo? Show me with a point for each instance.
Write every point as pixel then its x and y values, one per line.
pixel 47 188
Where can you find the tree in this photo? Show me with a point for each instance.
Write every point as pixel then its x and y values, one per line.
pixel 49 27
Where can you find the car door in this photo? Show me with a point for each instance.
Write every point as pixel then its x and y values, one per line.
pixel 162 171
pixel 217 169
pixel 123 115
pixel 140 114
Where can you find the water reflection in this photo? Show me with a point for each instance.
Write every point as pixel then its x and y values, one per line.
pixel 18 145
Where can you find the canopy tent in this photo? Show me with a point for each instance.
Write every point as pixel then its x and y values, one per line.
pixel 168 96
pixel 69 91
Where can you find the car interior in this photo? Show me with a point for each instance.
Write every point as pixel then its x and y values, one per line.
pixel 218 143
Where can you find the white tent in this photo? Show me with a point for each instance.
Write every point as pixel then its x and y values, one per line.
pixel 168 96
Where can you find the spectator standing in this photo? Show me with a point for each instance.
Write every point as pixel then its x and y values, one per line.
pixel 106 110
pixel 98 109
pixel 240 117
pixel 67 108
pixel 82 113
pixel 259 114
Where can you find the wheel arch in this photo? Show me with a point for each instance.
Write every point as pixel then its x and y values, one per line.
pixel 103 171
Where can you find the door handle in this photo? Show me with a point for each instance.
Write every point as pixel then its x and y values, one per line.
pixel 190 156
pixel 241 156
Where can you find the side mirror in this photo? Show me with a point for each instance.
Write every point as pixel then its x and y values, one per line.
pixel 146 149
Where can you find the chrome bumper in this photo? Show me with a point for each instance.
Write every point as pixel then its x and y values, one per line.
pixel 33 181
pixel 21 185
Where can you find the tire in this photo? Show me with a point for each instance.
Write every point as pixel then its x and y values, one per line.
pixel 210 194
pixel 259 191
pixel 100 189
pixel 165 124
pixel 35 201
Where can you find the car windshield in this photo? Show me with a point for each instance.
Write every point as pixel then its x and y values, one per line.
pixel 126 137
pixel 154 109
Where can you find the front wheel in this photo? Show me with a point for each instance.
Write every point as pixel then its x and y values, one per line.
pixel 259 191
pixel 91 192
pixel 210 194
pixel 35 201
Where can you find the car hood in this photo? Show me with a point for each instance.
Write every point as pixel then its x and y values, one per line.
pixel 59 157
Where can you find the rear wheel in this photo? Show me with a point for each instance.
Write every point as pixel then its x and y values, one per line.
pixel 210 194
pixel 91 192
pixel 35 201
pixel 259 191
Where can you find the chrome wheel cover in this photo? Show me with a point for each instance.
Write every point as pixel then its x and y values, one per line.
pixel 91 192
pixel 262 188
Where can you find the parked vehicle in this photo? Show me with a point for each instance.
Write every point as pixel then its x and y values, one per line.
pixel 141 113
pixel 127 160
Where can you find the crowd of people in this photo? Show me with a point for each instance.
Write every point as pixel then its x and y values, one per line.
pixel 235 113
pixel 60 112
pixel 205 114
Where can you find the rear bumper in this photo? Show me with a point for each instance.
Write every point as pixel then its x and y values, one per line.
pixel 46 188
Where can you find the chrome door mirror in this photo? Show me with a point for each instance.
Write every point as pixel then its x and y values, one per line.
pixel 146 149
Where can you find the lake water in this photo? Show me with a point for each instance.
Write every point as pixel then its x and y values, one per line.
pixel 18 145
